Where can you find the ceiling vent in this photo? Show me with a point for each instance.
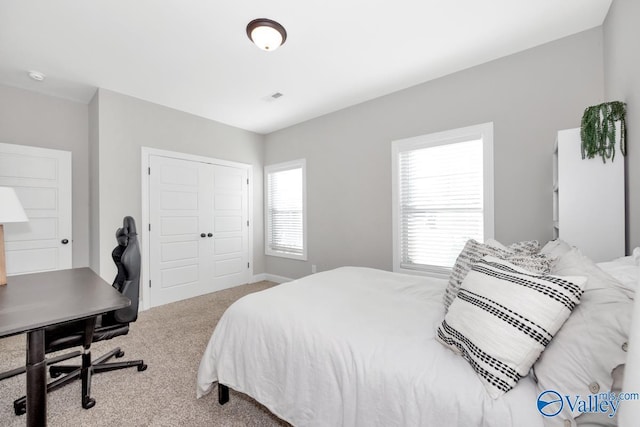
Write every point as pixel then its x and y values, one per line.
pixel 273 97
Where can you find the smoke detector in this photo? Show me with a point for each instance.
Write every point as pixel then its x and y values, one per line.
pixel 36 75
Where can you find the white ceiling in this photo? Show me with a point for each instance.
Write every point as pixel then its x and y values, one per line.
pixel 195 56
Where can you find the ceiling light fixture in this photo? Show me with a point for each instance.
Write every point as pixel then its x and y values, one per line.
pixel 36 75
pixel 266 34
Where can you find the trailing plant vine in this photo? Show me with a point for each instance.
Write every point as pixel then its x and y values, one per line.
pixel 598 130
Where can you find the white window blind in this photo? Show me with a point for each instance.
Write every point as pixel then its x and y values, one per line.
pixel 440 200
pixel 285 210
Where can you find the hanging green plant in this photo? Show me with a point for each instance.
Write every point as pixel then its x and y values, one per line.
pixel 598 130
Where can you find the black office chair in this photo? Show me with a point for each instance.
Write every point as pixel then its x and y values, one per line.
pixel 127 258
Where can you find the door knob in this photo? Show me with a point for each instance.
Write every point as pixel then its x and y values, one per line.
pixel 64 241
pixel 203 235
pixel 210 235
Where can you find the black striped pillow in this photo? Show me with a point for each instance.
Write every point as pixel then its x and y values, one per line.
pixel 504 317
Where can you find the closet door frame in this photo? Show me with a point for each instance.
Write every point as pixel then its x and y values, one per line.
pixel 143 228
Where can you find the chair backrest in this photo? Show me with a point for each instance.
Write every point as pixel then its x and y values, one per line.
pixel 127 258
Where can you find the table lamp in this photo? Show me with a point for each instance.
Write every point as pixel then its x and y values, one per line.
pixel 10 211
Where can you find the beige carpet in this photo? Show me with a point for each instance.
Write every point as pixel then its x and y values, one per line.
pixel 171 340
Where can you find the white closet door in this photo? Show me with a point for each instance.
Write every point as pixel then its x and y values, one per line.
pixel 180 211
pixel 230 237
pixel 198 238
pixel 42 180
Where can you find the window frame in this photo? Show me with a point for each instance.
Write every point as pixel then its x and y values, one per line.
pixel 482 131
pixel 281 167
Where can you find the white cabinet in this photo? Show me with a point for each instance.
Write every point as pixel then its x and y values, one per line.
pixel 588 199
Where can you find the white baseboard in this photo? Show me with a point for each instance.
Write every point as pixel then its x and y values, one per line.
pixel 258 278
pixel 270 277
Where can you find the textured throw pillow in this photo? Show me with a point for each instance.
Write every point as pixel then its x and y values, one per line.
pixel 522 254
pixel 526 247
pixel 504 317
pixel 592 343
pixel 555 248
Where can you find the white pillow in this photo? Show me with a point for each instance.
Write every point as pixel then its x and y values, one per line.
pixel 592 342
pixel 626 270
pixel 599 419
pixel 523 254
pixel 503 318
pixel 627 275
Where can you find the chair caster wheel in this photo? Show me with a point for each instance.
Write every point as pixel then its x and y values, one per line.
pixel 142 368
pixel 20 409
pixel 88 403
pixel 119 354
pixel 54 372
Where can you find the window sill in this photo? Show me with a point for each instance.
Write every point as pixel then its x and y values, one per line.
pixel 286 255
pixel 442 273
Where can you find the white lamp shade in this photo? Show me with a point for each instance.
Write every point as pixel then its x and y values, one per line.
pixel 10 207
pixel 266 38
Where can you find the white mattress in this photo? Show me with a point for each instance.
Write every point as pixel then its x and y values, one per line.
pixel 354 347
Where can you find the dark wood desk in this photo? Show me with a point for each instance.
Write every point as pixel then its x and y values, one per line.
pixel 31 302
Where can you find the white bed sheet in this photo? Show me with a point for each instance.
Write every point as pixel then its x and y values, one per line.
pixel 354 347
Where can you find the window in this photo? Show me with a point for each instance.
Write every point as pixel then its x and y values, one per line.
pixel 442 196
pixel 285 210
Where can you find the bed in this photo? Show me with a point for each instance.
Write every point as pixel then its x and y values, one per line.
pixel 333 349
pixel 357 347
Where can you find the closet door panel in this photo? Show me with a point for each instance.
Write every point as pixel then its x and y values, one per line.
pixel 230 237
pixel 181 209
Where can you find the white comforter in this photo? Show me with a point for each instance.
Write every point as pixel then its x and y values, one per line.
pixel 354 347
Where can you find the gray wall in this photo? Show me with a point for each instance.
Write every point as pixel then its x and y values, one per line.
pixel 29 118
pixel 126 124
pixel 529 96
pixel 94 190
pixel 622 83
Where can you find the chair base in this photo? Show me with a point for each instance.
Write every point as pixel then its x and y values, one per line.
pixel 83 372
pixel 51 361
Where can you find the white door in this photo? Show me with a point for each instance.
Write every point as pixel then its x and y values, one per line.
pixel 183 258
pixel 42 180
pixel 230 258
